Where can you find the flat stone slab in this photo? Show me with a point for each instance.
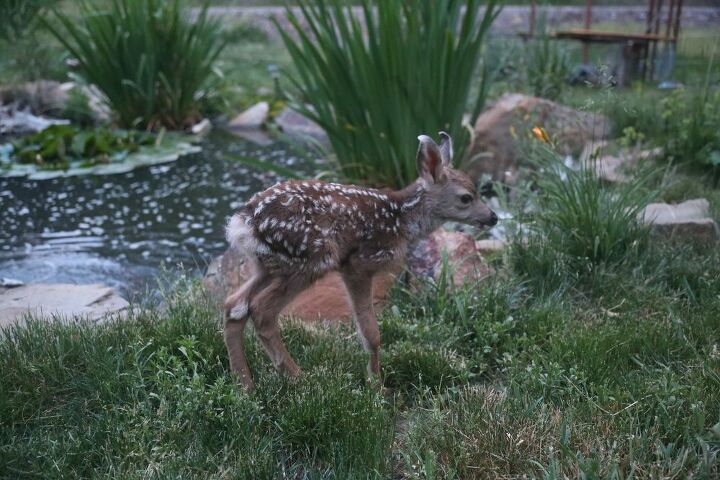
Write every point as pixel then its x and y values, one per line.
pixel 689 219
pixel 59 300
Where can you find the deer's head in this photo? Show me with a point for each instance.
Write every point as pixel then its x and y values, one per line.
pixel 452 193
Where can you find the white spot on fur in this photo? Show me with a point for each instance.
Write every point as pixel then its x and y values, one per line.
pixel 239 311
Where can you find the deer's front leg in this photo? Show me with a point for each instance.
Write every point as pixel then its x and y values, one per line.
pixel 359 287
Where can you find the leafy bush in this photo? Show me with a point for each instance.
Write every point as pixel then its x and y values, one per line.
pixel 19 16
pixel 409 68
pixel 580 223
pixel 548 66
pixel 151 62
pixel 692 129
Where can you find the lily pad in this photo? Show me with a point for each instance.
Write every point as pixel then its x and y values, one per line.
pixel 62 151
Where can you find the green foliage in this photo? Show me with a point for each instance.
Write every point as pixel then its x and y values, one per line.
pixel 19 17
pixel 548 66
pixel 146 57
pixel 374 85
pixel 58 145
pixel 692 129
pixel 580 224
pixel 573 386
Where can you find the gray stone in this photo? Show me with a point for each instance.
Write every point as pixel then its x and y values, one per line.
pixel 614 168
pixel 494 149
pixel 299 126
pixel 253 117
pixel 59 300
pixel 686 220
pixel 201 128
pixel 11 283
pixel 490 246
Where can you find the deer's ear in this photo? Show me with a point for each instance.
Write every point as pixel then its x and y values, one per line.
pixel 446 149
pixel 429 160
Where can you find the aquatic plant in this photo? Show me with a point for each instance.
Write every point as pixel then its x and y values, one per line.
pixel 375 84
pixel 151 62
pixel 58 145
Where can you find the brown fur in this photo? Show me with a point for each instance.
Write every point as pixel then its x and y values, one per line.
pixel 295 232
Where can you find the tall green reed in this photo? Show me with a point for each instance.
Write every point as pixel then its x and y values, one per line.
pixel 374 83
pixel 150 61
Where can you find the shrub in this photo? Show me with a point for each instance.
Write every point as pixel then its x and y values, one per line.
pixel 19 16
pixel 548 66
pixel 580 223
pixel 410 68
pixel 151 63
pixel 692 129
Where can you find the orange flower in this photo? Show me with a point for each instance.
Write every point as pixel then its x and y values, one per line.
pixel 541 134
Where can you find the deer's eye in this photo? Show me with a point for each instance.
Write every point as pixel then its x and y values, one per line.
pixel 466 198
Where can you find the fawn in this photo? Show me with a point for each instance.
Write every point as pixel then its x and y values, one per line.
pixel 297 231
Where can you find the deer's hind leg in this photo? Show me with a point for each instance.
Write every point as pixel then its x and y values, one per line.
pixel 265 308
pixel 237 312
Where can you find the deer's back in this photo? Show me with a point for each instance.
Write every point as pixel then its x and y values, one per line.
pixel 317 226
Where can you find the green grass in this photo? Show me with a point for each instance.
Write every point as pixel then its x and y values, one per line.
pixel 619 378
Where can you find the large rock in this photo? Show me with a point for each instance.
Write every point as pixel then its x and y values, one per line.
pixel 686 220
pixel 495 150
pixel 460 250
pixel 49 97
pixel 64 301
pixel 327 300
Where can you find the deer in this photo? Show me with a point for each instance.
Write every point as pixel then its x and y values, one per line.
pixel 295 232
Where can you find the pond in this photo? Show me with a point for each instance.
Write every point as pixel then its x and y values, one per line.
pixel 123 229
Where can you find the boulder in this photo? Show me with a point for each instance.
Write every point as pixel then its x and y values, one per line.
pixel 63 301
pixel 464 259
pixel 494 149
pixel 686 220
pixel 325 300
pixel 253 117
pixel 299 126
pixel 41 96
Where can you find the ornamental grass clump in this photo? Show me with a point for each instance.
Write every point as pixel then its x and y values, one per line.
pixel 377 80
pixel 579 223
pixel 150 61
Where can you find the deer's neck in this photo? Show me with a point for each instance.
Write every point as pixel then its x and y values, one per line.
pixel 416 208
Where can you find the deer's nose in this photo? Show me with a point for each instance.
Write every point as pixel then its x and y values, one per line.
pixel 493 219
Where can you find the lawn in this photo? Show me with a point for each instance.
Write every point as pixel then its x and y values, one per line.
pixel 614 375
pixel 591 351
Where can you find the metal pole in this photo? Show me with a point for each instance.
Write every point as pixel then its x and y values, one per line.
pixel 532 18
pixel 588 20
